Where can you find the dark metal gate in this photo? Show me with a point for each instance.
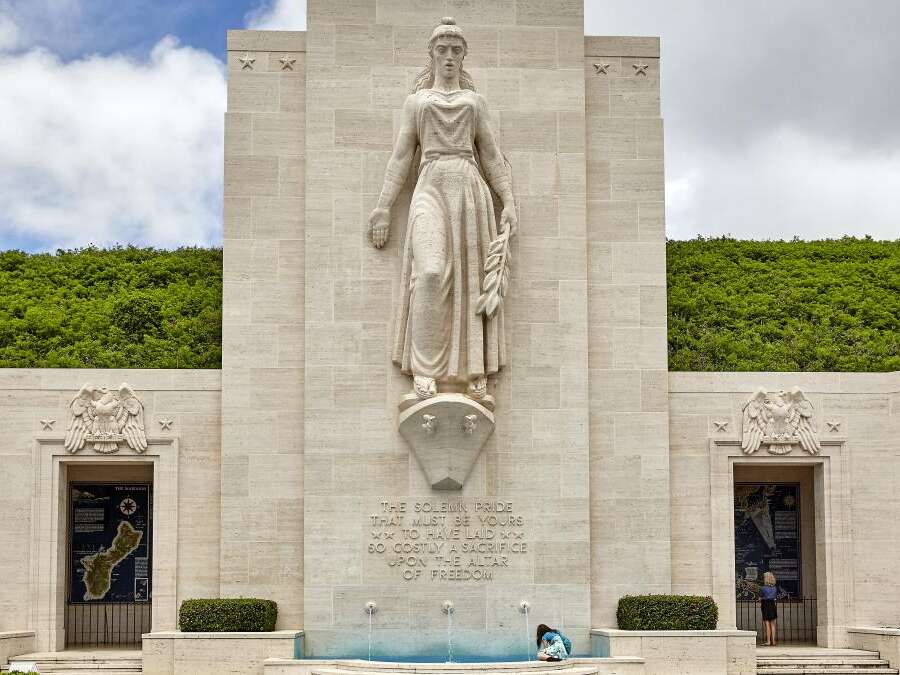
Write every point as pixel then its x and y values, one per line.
pixel 796 623
pixel 100 624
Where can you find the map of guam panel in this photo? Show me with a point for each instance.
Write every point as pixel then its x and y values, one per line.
pixel 110 546
pixel 767 538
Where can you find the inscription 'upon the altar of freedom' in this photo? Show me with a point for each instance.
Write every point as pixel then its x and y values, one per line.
pixel 447 541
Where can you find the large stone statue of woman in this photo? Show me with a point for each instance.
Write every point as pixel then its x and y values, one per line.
pixel 444 337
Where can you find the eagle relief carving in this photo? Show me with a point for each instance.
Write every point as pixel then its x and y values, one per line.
pixel 104 418
pixel 779 420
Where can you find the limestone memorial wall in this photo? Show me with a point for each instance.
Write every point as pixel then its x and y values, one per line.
pixel 182 416
pixel 568 112
pixel 314 471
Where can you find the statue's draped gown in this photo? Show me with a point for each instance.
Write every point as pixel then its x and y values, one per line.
pixel 451 225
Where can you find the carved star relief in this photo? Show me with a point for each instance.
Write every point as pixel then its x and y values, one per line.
pixel 287 62
pixel 48 424
pixel 721 425
pixel 246 61
pixel 166 424
pixel 429 424
pixel 601 68
pixel 834 427
pixel 640 68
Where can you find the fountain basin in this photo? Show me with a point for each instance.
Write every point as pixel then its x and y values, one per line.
pixel 573 666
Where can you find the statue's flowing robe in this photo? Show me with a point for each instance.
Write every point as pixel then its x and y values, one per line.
pixel 452 222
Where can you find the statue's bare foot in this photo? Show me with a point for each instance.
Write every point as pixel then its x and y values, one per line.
pixel 477 388
pixel 424 387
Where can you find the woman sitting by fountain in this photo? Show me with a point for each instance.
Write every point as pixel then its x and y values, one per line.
pixel 552 645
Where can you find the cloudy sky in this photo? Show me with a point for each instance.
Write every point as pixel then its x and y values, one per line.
pixel 781 115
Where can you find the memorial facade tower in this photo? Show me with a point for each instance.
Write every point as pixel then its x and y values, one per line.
pixel 444 398
pixel 341 498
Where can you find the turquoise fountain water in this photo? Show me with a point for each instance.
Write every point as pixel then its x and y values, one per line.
pixel 524 606
pixel 447 608
pixel 371 608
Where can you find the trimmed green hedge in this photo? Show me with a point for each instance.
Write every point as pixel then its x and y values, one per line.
pixel 733 305
pixel 667 612
pixel 227 615
pixel 811 306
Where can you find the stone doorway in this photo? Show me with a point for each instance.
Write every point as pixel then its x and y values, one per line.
pixel 109 549
pixel 774 531
pixel 831 532
pixel 55 469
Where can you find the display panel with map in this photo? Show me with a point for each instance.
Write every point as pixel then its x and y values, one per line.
pixel 110 543
pixel 767 538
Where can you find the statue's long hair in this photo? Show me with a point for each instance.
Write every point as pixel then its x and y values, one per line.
pixel 425 79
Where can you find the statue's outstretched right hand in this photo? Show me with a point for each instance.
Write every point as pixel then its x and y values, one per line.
pixel 379 227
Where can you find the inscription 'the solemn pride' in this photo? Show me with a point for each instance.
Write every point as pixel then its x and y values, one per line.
pixel 447 540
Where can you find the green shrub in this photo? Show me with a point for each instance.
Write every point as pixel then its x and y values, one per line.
pixel 667 612
pixel 811 306
pixel 227 615
pixel 111 308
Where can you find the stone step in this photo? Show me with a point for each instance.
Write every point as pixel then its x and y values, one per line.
pixel 470 670
pixel 820 661
pixel 827 670
pixel 87 671
pixel 95 668
pixel 812 653
pixel 846 661
pixel 82 662
pixel 52 666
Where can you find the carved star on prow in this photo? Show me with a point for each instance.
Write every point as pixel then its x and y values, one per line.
pixel 470 423
pixel 640 68
pixel 287 62
pixel 601 69
pixel 721 425
pixel 166 424
pixel 429 424
pixel 246 61
pixel 48 424
pixel 834 427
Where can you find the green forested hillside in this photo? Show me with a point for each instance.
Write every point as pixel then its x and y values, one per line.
pixel 830 305
pixel 117 308
pixel 733 305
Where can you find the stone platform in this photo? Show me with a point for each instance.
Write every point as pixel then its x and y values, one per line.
pixel 108 661
pixel 575 666
pixel 799 660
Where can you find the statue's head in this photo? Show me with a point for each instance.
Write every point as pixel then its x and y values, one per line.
pixel 447 48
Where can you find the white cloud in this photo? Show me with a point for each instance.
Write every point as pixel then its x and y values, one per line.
pixel 786 183
pixel 109 149
pixel 780 119
pixel 54 24
pixel 9 33
pixel 278 15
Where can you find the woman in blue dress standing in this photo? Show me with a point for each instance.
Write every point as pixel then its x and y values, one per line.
pixel 767 595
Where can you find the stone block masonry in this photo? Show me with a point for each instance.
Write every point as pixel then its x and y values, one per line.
pixel 362 58
pixel 261 553
pixel 626 282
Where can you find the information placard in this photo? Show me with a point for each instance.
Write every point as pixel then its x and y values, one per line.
pixel 767 538
pixel 110 542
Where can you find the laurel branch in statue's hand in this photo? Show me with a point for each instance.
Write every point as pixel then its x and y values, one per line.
pixel 379 227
